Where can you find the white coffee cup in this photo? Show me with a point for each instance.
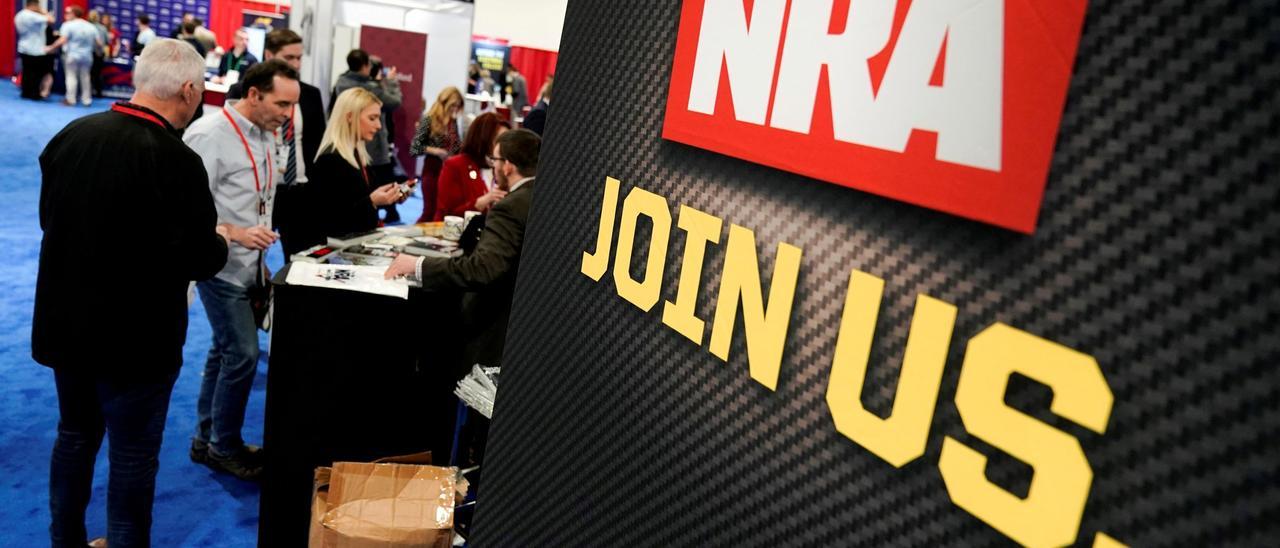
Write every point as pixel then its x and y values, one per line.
pixel 453 226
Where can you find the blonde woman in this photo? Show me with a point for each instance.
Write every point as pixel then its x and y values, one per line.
pixel 437 137
pixel 337 195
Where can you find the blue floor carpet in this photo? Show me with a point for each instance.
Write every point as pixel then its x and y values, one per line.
pixel 194 507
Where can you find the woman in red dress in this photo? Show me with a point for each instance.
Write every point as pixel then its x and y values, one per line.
pixel 466 180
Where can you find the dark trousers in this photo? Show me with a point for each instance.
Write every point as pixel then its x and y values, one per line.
pixel 34 68
pixel 95 75
pixel 132 415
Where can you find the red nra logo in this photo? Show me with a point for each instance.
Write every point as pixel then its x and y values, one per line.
pixel 948 104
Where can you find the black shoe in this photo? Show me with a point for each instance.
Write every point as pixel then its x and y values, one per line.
pixel 199 452
pixel 244 463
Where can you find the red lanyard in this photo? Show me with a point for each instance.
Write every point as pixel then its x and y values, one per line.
pixel 130 111
pixel 257 184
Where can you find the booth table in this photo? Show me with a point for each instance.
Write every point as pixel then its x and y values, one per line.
pixel 351 377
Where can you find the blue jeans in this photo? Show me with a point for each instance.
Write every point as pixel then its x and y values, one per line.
pixel 230 368
pixel 132 415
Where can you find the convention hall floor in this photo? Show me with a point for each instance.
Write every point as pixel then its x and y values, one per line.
pixel 194 506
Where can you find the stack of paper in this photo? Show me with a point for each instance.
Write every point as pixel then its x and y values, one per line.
pixel 365 279
pixel 479 388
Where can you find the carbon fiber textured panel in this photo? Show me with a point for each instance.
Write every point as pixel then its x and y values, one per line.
pixel 1156 253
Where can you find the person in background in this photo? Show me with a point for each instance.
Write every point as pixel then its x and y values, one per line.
pixel 78 40
pixel 99 53
pixel 145 34
pixel 337 199
pixel 236 147
pixel 297 141
pixel 188 35
pixel 31 24
pixel 466 180
pixel 238 59
pixel 473 77
pixel 518 90
pixel 488 273
pixel 386 88
pixel 537 118
pixel 187 17
pixel 113 36
pixel 125 168
pixel 206 37
pixel 438 137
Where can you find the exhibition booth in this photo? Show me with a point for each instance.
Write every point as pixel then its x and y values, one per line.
pixel 808 273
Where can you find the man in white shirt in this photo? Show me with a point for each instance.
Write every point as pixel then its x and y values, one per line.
pixel 31 24
pixel 145 34
pixel 78 41
pixel 237 146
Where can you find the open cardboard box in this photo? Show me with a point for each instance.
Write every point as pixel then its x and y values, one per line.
pixel 390 503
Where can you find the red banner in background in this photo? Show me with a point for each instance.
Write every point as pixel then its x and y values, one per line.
pixel 407 52
pixel 536 65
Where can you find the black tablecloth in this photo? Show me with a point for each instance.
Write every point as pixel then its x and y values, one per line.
pixel 355 377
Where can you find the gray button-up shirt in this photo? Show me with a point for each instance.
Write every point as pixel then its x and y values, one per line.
pixel 231 180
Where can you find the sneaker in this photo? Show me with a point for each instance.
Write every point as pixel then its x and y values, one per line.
pixel 244 464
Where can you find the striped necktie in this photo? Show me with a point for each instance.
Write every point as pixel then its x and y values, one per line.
pixel 291 166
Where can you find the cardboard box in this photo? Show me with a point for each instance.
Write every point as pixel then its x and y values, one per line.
pixel 391 503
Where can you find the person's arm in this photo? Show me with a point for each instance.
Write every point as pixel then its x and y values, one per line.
pixel 388 91
pixel 201 250
pixel 497 254
pixel 421 138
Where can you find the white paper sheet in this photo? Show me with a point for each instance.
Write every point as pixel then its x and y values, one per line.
pixel 365 279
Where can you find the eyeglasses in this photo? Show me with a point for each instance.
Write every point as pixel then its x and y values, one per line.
pixel 496 159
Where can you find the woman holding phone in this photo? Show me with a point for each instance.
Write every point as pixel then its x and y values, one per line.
pixel 338 195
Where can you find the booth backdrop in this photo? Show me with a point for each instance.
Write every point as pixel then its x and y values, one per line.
pixel 1156 253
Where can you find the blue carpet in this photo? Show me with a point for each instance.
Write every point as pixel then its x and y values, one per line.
pixel 194 507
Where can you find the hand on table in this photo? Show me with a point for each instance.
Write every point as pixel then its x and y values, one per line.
pixel 404 265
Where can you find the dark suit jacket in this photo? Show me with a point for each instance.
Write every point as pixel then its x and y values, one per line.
pixel 489 275
pixel 335 201
pixel 107 301
pixel 537 118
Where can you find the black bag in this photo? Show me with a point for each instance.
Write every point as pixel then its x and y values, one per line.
pixel 260 298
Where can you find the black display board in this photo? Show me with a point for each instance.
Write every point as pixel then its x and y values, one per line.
pixel 1156 254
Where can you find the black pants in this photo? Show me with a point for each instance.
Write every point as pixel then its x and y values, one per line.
pixel 95 75
pixel 132 414
pixel 34 69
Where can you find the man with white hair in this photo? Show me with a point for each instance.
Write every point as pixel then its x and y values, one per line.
pixel 127 171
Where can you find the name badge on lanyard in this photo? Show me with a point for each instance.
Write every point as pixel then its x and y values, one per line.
pixel 261 191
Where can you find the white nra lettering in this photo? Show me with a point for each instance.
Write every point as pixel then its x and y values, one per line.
pixel 964 111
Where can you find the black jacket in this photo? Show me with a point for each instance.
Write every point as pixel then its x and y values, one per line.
pixel 537 118
pixel 128 221
pixel 489 275
pixel 335 201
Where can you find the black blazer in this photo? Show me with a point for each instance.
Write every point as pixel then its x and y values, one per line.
pixel 335 201
pixel 489 275
pixel 106 302
pixel 313 120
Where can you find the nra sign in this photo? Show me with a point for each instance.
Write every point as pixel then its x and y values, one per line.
pixel 948 104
